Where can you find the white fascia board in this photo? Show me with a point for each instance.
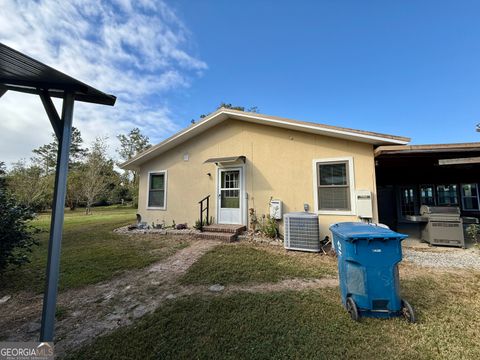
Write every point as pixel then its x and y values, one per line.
pixel 223 114
pixel 324 131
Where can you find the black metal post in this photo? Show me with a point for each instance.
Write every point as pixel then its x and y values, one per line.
pixel 201 215
pixel 56 225
pixel 208 206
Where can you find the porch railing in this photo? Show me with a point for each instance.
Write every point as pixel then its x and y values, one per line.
pixel 204 208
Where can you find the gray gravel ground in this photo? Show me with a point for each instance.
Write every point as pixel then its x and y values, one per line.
pixel 454 258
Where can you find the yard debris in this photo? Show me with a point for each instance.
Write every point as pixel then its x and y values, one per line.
pixel 216 288
pixel 139 311
pixel 33 327
pixel 4 299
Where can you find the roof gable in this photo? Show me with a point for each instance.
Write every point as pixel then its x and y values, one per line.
pixel 223 114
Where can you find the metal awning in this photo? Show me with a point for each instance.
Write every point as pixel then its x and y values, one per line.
pixel 227 160
pixel 21 73
pixel 460 161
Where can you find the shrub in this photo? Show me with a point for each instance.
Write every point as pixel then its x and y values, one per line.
pixel 473 231
pixel 269 227
pixel 197 225
pixel 16 233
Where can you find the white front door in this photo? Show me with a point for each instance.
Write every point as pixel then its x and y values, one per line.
pixel 230 190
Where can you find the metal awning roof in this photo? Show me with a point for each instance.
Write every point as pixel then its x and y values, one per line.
pixel 394 150
pixel 19 72
pixel 228 159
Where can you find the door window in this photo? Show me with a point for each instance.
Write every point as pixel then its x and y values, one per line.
pixel 407 200
pixel 230 189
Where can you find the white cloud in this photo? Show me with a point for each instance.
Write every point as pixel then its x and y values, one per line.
pixel 128 48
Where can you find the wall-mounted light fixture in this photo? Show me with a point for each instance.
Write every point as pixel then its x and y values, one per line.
pixel 209 175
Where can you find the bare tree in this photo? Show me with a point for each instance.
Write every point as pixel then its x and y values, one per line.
pixel 95 174
pixel 130 145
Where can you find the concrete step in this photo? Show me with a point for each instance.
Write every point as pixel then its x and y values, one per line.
pixel 224 228
pixel 227 237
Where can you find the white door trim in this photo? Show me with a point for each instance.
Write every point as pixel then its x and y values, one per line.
pixel 243 193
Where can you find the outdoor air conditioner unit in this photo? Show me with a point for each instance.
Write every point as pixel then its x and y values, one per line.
pixel 302 232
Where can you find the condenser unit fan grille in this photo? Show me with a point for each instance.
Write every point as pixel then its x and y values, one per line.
pixel 302 232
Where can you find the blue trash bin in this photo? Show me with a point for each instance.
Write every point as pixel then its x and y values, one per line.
pixel 368 258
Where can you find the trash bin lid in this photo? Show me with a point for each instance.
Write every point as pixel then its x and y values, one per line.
pixel 363 231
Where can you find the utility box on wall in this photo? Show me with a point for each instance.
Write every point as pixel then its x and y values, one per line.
pixel 276 209
pixel 364 204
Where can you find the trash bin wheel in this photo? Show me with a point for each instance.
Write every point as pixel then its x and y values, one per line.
pixel 407 312
pixel 352 309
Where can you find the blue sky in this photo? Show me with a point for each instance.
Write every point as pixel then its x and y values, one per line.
pixel 402 67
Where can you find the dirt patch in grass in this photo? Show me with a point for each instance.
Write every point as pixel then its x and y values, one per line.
pixel 92 310
pixel 247 263
pixel 308 324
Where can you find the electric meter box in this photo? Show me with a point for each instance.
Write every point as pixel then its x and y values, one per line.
pixel 276 209
pixel 364 204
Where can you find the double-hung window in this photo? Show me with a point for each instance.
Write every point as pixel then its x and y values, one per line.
pixel 157 190
pixel 334 185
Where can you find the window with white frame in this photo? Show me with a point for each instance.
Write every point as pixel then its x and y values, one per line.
pixel 157 185
pixel 470 196
pixel 334 183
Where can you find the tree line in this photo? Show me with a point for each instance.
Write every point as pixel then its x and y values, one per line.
pixel 92 174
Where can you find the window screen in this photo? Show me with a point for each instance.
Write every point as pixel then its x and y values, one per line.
pixel 333 186
pixel 156 190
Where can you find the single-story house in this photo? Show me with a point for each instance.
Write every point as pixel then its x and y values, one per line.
pixel 242 160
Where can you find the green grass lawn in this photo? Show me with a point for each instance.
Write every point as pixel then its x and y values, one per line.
pixel 91 252
pixel 303 325
pixel 245 263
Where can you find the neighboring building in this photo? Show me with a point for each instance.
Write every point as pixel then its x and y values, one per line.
pixel 242 160
pixel 410 176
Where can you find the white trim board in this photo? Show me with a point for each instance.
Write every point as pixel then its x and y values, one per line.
pixel 157 172
pixel 351 179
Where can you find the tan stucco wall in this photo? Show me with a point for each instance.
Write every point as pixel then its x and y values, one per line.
pixel 278 165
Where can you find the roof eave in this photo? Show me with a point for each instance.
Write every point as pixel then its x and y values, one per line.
pixel 222 114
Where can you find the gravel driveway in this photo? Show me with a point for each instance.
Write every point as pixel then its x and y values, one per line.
pixel 451 258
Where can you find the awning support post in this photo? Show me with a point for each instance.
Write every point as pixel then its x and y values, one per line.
pixel 51 112
pixel 56 225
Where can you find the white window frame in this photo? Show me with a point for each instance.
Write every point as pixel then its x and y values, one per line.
pixel 463 197
pixel 159 172
pixel 351 179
